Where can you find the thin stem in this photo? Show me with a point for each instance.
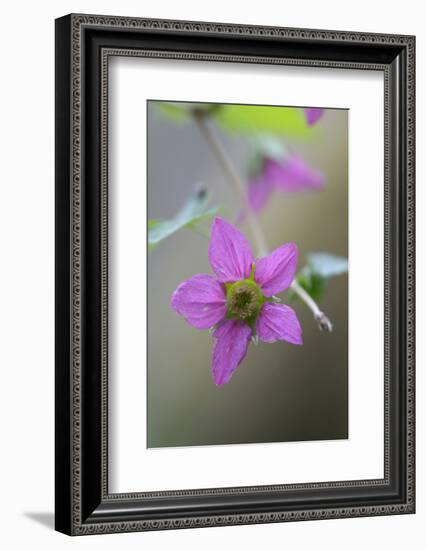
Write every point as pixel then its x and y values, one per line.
pixel 233 176
pixel 219 151
pixel 323 321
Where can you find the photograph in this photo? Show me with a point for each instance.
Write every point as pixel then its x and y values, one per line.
pixel 247 284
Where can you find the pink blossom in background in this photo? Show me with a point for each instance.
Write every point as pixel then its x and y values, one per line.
pixel 312 115
pixel 292 174
pixel 237 301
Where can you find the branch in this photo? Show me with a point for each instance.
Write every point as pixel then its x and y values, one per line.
pixel 228 167
pixel 323 321
pixel 233 176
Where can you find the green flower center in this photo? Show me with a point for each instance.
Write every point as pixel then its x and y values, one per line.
pixel 244 300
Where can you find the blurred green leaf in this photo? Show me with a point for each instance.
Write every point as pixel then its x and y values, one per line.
pixel 320 267
pixel 327 265
pixel 252 119
pixel 177 112
pixel 246 119
pixel 182 111
pixel 313 283
pixel 193 211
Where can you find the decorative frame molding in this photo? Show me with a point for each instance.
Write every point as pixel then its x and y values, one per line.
pixel 84 43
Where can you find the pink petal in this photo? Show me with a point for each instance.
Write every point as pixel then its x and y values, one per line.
pixel 312 115
pixel 229 252
pixel 258 191
pixel 278 322
pixel 276 272
pixel 200 300
pixel 293 174
pixel 229 349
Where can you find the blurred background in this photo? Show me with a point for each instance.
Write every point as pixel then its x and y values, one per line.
pixel 280 392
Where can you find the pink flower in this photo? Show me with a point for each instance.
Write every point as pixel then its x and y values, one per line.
pixel 237 301
pixel 289 175
pixel 312 115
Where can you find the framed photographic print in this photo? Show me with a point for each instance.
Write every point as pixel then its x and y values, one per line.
pixel 234 274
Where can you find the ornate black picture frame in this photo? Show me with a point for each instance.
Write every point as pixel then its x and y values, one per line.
pixel 83 45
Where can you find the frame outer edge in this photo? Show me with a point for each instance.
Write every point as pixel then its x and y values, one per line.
pixel 77 22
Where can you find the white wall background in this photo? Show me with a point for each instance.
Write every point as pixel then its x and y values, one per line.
pixel 26 289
